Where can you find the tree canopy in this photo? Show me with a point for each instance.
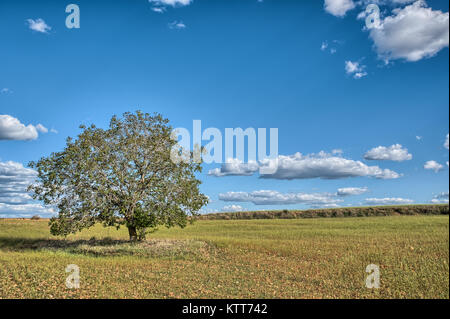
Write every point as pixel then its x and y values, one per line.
pixel 122 175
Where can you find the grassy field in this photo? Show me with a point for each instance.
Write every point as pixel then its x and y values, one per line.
pixel 270 258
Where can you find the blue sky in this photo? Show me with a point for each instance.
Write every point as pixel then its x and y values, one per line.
pixel 309 68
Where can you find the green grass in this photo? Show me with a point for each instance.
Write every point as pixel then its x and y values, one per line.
pixel 267 258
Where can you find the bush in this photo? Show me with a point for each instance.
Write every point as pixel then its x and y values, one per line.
pixel 335 212
pixel 36 217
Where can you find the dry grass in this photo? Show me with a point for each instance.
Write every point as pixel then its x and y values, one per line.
pixel 279 258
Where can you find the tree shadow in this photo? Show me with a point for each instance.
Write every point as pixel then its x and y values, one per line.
pixel 22 244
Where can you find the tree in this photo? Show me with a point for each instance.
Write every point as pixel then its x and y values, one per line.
pixel 123 175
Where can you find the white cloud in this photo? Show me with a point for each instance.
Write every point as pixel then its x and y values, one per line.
pixel 439 201
pixel 442 195
pixel 158 9
pixel 394 152
pixel 177 25
pixel 12 129
pixel 419 138
pixel 52 130
pixel 14 198
pixel 41 128
pixel 160 6
pixel 433 165
pixel 411 33
pixel 299 166
pixel 387 201
pixel 25 210
pixel 270 197
pixel 325 166
pixel 403 1
pixel 332 49
pixel 235 167
pixel 14 176
pixel 232 208
pixel 355 69
pixel 446 142
pixel 38 25
pixel 348 191
pixel 338 8
pixel 441 198
pixel 351 67
pixel 172 3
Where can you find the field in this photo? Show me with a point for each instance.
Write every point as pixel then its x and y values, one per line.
pixel 259 258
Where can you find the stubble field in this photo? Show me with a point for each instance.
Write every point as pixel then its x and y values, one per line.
pixel 271 258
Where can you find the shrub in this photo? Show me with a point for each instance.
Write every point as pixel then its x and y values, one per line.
pixel 335 212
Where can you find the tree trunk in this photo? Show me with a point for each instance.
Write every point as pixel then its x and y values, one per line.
pixel 132 232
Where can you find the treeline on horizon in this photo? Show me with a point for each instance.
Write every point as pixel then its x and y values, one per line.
pixel 365 211
pixel 434 209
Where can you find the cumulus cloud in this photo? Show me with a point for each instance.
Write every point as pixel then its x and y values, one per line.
pixel 232 208
pixel 433 165
pixel 355 69
pixel 177 25
pixel 235 167
pixel 324 166
pixel 441 198
pixel 298 166
pixel 158 9
pixel 338 8
pixel 41 128
pixel 14 179
pixel 402 1
pixel 14 198
pixel 394 152
pixel 270 197
pixel 387 201
pixel 172 3
pixel 446 142
pixel 348 191
pixel 411 33
pixel 161 5
pixel 38 25
pixel 326 46
pixel 25 210
pixel 12 129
